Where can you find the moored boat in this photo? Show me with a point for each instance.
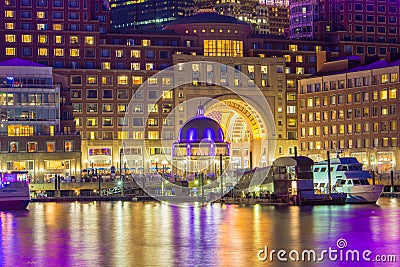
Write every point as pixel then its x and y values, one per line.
pixel 14 195
pixel 347 176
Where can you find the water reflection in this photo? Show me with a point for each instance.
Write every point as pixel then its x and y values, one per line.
pixel 156 234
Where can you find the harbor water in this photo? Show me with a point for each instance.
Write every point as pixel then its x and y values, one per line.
pixel 157 234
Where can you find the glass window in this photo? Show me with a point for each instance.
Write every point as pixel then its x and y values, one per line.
pixel 50 147
pixel 68 146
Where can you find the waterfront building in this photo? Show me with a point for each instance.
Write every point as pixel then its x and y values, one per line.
pixel 350 26
pixel 35 143
pixel 101 71
pixel 354 110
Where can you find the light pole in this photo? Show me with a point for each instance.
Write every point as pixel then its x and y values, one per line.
pixel 220 175
pixel 120 164
pixel 215 168
pixel 164 163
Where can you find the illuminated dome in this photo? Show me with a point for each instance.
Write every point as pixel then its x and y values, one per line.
pixel 200 128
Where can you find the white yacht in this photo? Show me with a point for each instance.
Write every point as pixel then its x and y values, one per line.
pixel 347 176
pixel 14 195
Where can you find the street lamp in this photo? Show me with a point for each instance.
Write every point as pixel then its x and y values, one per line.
pixel 164 164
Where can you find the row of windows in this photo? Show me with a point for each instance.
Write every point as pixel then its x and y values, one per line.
pixel 32 147
pixel 350 143
pixel 121 108
pixel 57 39
pixel 349 129
pixel 45 3
pixel 350 98
pixel 350 83
pixel 136 135
pixel 122 121
pixel 349 114
pixel 121 94
pixel 27 14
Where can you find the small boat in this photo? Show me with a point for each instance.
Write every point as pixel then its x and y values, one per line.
pixel 347 176
pixel 14 195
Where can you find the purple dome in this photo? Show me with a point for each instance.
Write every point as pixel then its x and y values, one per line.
pixel 200 129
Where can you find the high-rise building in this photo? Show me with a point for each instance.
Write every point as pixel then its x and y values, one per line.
pixel 146 15
pixel 359 27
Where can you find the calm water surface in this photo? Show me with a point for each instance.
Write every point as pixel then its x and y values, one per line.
pixel 155 234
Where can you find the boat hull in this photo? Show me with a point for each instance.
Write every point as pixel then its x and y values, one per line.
pixel 14 204
pixel 362 194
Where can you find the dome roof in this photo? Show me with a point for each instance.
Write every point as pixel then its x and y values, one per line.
pixel 208 18
pixel 199 129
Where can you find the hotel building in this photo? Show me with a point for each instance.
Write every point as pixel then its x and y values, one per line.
pixel 353 110
pixel 102 71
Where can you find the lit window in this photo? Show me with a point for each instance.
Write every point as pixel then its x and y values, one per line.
pixel 293 48
pixel 106 80
pixel 13 147
pixel 223 48
pixel 123 135
pixel 41 15
pixel 152 81
pixel 74 39
pixel 50 147
pixel 167 94
pixel 27 38
pixel 9 13
pixel 152 107
pixel 152 134
pixel 106 65
pixel 58 52
pixel 384 78
pixel 394 77
pixel 119 53
pixel 43 52
pixel 58 39
pixel 287 58
pixel 384 94
pixel 74 52
pixel 57 27
pixel 89 40
pixel 393 93
pixel 42 39
pixel 68 146
pixel 31 147
pixel 137 80
pixel 146 42
pixel 10 38
pixel 299 70
pixel 299 58
pixel 135 66
pixel 10 51
pixel 149 66
pixel 9 26
pixel 135 53
pixel 91 122
pixel 91 80
pixel 122 80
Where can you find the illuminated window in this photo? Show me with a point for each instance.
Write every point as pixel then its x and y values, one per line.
pixel 293 48
pixel 299 58
pixel 74 52
pixel 384 94
pixel 394 77
pixel 149 66
pixel 384 78
pixel 107 122
pixel 119 53
pixel 135 66
pixel 51 147
pixel 223 48
pixel 122 108
pixel 58 39
pixel 78 122
pixel 41 15
pixel 106 80
pixel 58 52
pixel 9 26
pixel 152 134
pixel 137 80
pixel 74 39
pixel 9 13
pixel 13 147
pixel 91 80
pixel 166 81
pixel 299 70
pixel 42 39
pixel 31 147
pixel 288 58
pixel 146 42
pixel 57 27
pixel 152 81
pixel 152 107
pixel 27 38
pixel 123 135
pixel 43 52
pixel 10 51
pixel 91 122
pixel 89 40
pixel 122 80
pixel 10 38
pixel 167 94
pixel 392 93
pixel 135 53
pixel 105 65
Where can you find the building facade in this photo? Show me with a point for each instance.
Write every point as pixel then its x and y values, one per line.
pixel 101 71
pixel 353 111
pixel 33 144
